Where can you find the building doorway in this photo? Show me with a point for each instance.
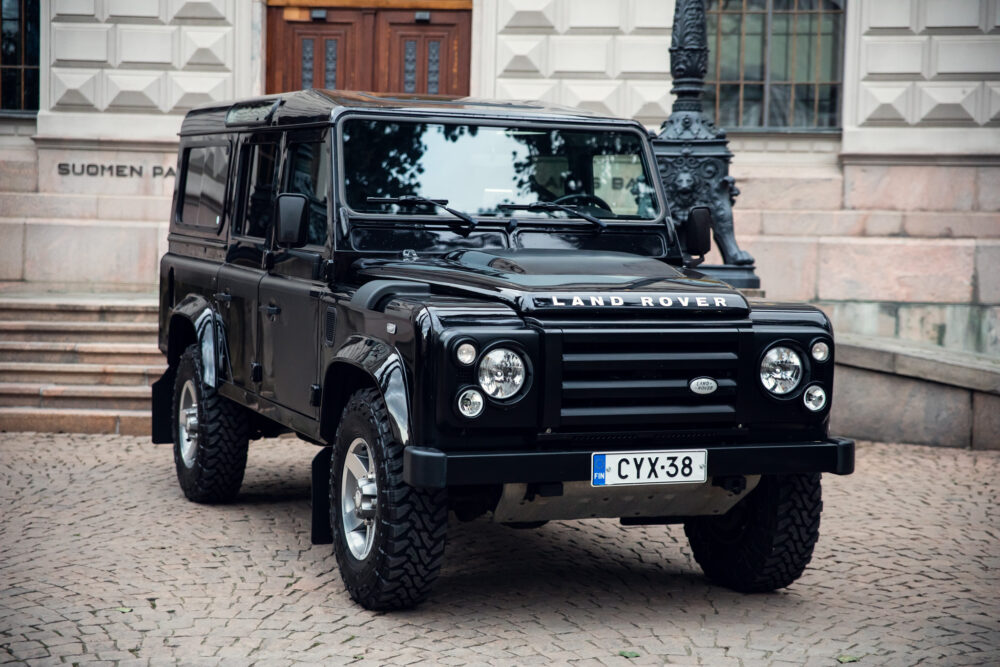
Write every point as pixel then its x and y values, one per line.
pixel 424 48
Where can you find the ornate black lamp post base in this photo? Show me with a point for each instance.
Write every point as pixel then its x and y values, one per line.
pixel 693 155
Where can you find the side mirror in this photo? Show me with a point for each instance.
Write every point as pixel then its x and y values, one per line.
pixel 698 231
pixel 293 220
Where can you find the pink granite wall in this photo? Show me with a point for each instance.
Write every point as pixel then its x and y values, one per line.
pixel 905 250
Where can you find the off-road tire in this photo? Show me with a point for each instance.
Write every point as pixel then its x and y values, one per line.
pixel 223 437
pixel 410 523
pixel 766 540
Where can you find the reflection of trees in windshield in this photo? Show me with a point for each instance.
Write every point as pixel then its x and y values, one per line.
pixel 386 159
pixel 479 167
pixel 383 159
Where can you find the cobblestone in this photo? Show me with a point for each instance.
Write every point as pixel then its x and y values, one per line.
pixel 102 559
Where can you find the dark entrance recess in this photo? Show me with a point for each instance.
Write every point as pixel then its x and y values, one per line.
pixel 423 47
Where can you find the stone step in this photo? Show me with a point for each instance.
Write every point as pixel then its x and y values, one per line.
pixel 136 310
pixel 74 374
pixel 61 420
pixel 84 353
pixel 94 397
pixel 81 332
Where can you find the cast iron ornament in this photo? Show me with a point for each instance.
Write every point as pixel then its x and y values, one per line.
pixel 691 152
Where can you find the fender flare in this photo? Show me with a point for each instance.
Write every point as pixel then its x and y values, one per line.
pixel 384 365
pixel 209 331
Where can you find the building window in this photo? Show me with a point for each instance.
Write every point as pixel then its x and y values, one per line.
pixel 775 63
pixel 19 55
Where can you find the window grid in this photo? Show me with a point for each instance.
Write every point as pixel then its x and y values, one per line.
pixel 808 99
pixel 19 71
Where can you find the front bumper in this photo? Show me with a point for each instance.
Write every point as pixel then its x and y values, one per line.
pixel 432 468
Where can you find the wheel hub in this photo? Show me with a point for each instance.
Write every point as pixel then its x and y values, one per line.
pixel 365 499
pixel 359 498
pixel 187 423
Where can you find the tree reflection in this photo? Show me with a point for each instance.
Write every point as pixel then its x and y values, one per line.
pixel 502 166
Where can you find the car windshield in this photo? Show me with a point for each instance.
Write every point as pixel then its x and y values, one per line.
pixel 483 170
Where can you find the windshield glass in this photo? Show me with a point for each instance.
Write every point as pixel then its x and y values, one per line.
pixel 480 168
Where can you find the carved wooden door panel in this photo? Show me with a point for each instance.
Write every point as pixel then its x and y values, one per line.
pixel 426 57
pixel 327 53
pixel 390 51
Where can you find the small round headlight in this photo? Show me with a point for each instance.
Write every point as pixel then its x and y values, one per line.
pixel 781 370
pixel 470 403
pixel 465 353
pixel 501 373
pixel 814 398
pixel 820 351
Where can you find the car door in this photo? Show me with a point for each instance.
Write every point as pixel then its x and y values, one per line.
pixel 240 276
pixel 290 290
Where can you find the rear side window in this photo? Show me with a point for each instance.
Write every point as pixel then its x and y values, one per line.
pixel 261 190
pixel 204 176
pixel 309 174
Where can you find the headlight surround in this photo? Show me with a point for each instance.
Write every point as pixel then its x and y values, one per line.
pixel 781 370
pixel 502 373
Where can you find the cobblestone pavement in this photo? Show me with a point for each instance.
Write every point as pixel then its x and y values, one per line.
pixel 103 560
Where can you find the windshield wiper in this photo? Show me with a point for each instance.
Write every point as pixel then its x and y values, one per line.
pixel 551 207
pixel 436 203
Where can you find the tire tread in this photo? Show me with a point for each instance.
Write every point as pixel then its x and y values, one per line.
pixel 415 522
pixel 782 527
pixel 223 439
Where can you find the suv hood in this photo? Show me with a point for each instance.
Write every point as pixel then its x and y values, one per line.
pixel 568 283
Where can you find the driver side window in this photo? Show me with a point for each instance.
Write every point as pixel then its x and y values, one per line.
pixel 261 191
pixel 309 174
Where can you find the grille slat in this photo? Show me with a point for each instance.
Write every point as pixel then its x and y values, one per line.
pixel 630 360
pixel 649 414
pixel 677 389
pixel 620 380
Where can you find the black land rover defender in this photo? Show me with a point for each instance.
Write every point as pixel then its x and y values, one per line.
pixel 485 308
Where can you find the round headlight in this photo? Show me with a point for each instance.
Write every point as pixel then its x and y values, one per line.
pixel 465 353
pixel 501 373
pixel 470 403
pixel 820 351
pixel 781 370
pixel 814 398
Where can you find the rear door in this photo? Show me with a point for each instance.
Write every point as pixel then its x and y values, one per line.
pixel 290 291
pixel 239 278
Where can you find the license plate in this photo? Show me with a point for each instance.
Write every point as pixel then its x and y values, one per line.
pixel 670 467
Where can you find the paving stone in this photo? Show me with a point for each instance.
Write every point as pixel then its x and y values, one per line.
pixel 905 573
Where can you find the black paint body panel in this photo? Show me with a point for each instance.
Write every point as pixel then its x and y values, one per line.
pixel 611 339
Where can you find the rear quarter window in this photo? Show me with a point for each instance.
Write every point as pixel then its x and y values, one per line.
pixel 202 188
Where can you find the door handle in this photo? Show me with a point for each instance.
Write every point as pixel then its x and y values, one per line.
pixel 223 297
pixel 271 309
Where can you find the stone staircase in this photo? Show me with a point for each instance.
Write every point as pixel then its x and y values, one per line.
pixel 80 364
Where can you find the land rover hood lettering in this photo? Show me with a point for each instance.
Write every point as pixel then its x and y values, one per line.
pixel 567 284
pixel 635 300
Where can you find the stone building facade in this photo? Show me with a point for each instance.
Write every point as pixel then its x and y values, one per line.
pixel 890 218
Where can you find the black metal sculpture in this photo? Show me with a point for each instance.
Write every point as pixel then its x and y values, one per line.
pixel 691 152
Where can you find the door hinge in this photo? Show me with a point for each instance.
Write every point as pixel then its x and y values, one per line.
pixel 315 394
pixel 256 372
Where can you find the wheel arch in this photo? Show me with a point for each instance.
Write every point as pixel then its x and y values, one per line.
pixel 192 321
pixel 364 363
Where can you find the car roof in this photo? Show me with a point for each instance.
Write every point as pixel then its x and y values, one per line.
pixel 313 106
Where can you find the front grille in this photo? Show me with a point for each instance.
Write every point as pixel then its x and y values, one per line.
pixel 629 380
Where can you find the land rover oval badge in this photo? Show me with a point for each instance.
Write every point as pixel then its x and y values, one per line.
pixel 703 385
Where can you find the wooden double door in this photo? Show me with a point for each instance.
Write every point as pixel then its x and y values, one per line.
pixel 382 50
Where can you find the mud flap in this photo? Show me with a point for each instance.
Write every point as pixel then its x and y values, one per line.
pixel 163 394
pixel 321 531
